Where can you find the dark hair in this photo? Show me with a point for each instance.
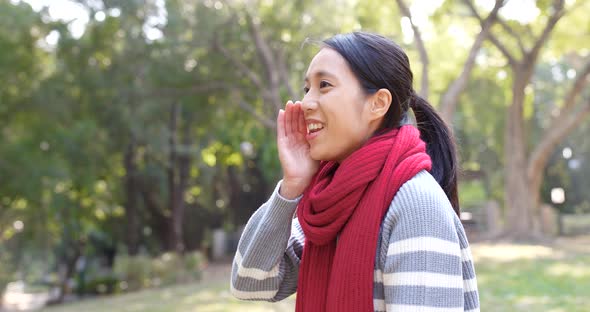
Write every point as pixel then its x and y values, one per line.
pixel 378 63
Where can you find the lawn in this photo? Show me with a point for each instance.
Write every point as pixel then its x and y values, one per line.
pixel 510 277
pixel 532 278
pixel 209 296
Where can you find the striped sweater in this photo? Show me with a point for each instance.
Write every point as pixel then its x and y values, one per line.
pixel 422 263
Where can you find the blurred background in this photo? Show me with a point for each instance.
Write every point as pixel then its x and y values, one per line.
pixel 138 136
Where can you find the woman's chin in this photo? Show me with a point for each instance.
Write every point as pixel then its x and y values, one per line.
pixel 316 155
pixel 319 156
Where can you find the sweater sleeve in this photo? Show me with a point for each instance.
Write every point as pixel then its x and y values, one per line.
pixel 428 264
pixel 266 263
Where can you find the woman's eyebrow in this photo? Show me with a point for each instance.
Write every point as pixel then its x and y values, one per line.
pixel 321 73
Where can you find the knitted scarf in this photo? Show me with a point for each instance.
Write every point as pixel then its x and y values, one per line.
pixel 346 202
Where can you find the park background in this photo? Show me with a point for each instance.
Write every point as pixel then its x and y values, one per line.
pixel 137 137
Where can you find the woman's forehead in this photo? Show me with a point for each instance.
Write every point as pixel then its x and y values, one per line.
pixel 327 62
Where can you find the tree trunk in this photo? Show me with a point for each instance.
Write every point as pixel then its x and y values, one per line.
pixel 184 165
pixel 238 200
pixel 246 195
pixel 172 241
pixel 70 260
pixel 159 221
pixel 519 197
pixel 178 173
pixel 522 188
pixel 131 213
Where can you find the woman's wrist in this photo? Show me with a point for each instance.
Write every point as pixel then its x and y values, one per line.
pixel 290 190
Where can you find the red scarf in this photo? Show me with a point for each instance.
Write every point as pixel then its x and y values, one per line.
pixel 347 202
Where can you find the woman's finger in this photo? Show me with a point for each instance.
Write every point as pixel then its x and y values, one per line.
pixel 288 118
pixel 295 120
pixel 281 124
pixel 301 121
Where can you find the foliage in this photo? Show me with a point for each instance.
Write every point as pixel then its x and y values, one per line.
pixel 86 125
pixel 6 269
pixel 103 285
pixel 134 271
pixel 138 272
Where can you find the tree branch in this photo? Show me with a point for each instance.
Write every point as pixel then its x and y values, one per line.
pixel 262 119
pixel 267 58
pixel 199 88
pixel 241 67
pixel 450 98
pixel 270 95
pixel 267 122
pixel 561 126
pixel 284 74
pixel 239 64
pixel 559 129
pixel 529 30
pixel 579 84
pixel 264 52
pixel 558 12
pixel 421 49
pixel 511 60
pixel 514 35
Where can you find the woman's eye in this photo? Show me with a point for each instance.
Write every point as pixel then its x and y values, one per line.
pixel 323 84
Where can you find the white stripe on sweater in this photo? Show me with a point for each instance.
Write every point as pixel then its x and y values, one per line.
pixel 249 295
pixel 470 285
pixel 466 254
pixel 378 276
pixel 422 279
pixel 379 305
pixel 254 273
pixel 413 308
pixel 424 244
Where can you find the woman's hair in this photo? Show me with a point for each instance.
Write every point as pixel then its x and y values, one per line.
pixel 378 63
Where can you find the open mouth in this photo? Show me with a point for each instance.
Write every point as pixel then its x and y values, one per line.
pixel 314 127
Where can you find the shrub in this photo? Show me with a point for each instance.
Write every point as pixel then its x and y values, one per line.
pixel 194 262
pixel 134 272
pixel 168 269
pixel 103 285
pixel 6 270
pixel 139 272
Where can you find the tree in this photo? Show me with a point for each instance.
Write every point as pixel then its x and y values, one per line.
pixel 450 97
pixel 524 170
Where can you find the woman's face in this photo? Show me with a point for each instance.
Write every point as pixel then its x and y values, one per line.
pixel 335 107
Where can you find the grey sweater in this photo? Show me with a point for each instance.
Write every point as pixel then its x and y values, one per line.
pixel 423 261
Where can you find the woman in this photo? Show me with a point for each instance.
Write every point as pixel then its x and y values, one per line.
pixel 375 198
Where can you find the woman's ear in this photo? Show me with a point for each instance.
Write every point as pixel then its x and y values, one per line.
pixel 380 102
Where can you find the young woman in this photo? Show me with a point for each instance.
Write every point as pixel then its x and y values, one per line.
pixel 374 197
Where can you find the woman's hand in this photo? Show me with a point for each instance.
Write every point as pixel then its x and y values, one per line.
pixel 298 166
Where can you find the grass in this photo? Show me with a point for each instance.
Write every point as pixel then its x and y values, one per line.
pixel 210 295
pixel 510 278
pixel 532 278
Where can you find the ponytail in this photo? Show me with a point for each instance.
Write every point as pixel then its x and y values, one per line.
pixel 378 63
pixel 440 145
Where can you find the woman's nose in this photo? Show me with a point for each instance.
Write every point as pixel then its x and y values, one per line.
pixel 309 103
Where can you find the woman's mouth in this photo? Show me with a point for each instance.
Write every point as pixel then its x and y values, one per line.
pixel 313 128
